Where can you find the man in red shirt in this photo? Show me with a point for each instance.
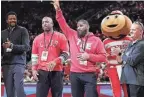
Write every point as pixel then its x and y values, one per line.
pixel 50 49
pixel 86 50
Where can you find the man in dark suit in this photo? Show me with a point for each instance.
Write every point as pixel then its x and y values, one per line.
pixel 15 44
pixel 133 62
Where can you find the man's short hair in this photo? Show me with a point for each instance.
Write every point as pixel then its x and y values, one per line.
pixel 140 24
pixel 10 13
pixel 84 21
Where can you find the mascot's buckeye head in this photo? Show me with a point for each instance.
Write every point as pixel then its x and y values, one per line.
pixel 116 25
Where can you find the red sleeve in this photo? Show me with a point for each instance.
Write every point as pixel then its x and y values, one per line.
pixel 63 24
pixel 100 55
pixel 34 56
pixel 63 47
pixel 64 44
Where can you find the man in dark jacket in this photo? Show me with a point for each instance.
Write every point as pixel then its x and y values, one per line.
pixel 133 62
pixel 15 44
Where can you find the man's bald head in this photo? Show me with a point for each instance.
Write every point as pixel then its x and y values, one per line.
pixel 47 24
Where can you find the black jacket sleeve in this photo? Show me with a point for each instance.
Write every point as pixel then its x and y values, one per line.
pixel 2 50
pixel 24 47
pixel 137 55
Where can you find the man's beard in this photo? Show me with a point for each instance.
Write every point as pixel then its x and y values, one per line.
pixel 48 30
pixel 81 34
pixel 12 24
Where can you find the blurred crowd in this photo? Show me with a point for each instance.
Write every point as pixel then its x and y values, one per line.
pixel 30 14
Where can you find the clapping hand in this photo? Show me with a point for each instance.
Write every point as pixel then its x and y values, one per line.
pixel 51 65
pixel 7 44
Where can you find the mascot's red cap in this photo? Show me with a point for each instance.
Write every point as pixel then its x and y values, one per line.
pixel 116 12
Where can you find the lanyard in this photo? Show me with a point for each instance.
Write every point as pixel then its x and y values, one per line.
pixel 46 47
pixel 84 43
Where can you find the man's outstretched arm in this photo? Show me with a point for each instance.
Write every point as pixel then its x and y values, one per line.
pixel 61 20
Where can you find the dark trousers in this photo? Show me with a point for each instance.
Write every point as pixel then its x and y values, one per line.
pixel 13 80
pixel 47 80
pixel 135 90
pixel 83 83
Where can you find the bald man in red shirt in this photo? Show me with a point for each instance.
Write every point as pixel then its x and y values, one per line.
pixel 49 51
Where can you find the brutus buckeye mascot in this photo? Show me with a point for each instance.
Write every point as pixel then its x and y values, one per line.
pixel 116 27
